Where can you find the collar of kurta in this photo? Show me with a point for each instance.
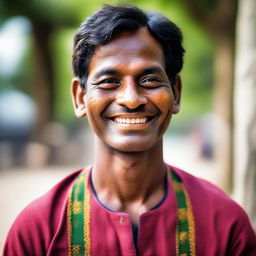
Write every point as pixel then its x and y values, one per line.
pixel 78 215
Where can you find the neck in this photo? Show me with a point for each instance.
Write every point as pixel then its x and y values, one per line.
pixel 129 181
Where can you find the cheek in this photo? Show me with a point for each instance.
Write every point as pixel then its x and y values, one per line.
pixel 163 100
pixel 165 106
pixel 96 103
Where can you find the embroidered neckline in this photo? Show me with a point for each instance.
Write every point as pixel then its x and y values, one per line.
pixel 78 214
pixel 109 209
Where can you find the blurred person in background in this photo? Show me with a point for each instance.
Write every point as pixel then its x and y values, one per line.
pixel 129 202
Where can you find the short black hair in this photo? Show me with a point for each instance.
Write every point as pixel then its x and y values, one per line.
pixel 103 25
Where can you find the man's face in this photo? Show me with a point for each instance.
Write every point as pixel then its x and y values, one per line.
pixel 129 100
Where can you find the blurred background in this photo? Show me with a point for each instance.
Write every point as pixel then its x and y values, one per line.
pixel 213 137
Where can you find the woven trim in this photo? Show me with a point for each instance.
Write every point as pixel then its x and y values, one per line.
pixel 191 220
pixel 87 239
pixel 185 227
pixel 69 221
pixel 78 215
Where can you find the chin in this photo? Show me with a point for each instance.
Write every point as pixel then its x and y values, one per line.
pixel 132 149
pixel 134 146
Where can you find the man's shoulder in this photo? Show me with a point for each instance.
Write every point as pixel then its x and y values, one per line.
pixel 39 220
pixel 198 185
pixel 217 214
pixel 203 192
pixel 54 198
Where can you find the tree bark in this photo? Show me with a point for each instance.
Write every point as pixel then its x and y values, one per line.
pixel 245 109
pixel 223 110
pixel 219 23
pixel 43 85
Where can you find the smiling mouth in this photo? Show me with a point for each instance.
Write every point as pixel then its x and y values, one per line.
pixel 138 120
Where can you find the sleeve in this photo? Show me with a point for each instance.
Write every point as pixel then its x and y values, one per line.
pixel 17 244
pixel 243 238
pixel 26 236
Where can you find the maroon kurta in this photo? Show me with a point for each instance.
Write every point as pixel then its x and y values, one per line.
pixel 222 227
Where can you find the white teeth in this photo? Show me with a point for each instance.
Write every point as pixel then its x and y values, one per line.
pixel 121 120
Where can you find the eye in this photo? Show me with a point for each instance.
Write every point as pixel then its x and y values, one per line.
pixel 151 82
pixel 108 83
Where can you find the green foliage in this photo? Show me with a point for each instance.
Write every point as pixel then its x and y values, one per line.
pixel 62 49
pixel 66 15
pixel 205 5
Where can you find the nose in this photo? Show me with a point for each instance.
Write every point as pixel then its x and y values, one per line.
pixel 131 96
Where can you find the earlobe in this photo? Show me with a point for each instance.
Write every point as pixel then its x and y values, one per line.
pixel 176 95
pixel 80 111
pixel 78 96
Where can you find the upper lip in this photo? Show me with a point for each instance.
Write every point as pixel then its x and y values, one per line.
pixel 127 115
pixel 135 114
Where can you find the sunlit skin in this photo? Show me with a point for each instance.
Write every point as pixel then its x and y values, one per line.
pixel 129 102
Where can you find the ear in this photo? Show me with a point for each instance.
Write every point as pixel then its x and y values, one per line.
pixel 176 94
pixel 78 96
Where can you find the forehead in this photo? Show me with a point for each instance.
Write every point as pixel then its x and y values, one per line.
pixel 128 49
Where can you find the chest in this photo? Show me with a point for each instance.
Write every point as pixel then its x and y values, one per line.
pixel 112 233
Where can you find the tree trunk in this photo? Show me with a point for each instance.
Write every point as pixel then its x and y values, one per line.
pixel 219 23
pixel 245 109
pixel 43 85
pixel 223 109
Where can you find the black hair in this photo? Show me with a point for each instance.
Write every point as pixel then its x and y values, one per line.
pixel 109 21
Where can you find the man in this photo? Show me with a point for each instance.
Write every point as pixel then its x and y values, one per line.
pixel 126 66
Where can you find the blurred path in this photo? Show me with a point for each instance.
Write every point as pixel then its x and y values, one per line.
pixel 18 187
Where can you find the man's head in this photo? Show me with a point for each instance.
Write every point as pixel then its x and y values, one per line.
pixel 126 65
pixel 105 24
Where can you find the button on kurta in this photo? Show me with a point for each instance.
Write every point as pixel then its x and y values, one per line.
pixel 122 220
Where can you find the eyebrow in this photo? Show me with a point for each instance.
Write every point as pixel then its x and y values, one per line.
pixel 109 71
pixel 104 72
pixel 151 70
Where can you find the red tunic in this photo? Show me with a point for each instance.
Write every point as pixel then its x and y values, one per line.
pixel 222 227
